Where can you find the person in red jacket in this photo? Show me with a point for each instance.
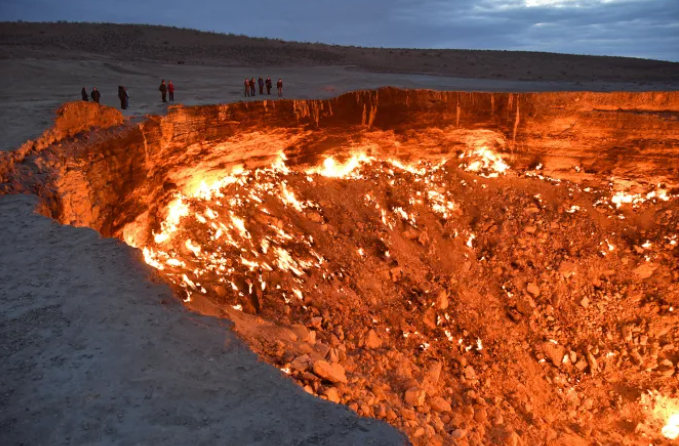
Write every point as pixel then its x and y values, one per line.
pixel 247 87
pixel 170 89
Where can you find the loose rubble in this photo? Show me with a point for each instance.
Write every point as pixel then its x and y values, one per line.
pixel 462 302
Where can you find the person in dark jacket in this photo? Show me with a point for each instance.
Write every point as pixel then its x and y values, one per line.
pixel 247 87
pixel 261 85
pixel 163 91
pixel 252 87
pixel 95 95
pixel 279 85
pixel 83 92
pixel 269 84
pixel 122 95
pixel 170 89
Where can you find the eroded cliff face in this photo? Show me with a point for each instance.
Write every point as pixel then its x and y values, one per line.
pixel 106 178
pixel 472 268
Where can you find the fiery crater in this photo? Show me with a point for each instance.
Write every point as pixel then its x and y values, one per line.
pixel 472 268
pixel 367 254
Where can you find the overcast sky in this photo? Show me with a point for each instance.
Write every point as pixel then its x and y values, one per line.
pixel 638 28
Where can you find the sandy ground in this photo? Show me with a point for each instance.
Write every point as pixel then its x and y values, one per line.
pixel 32 89
pixel 95 353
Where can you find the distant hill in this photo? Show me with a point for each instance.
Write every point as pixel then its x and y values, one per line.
pixel 191 47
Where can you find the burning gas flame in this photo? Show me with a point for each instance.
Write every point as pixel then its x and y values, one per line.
pixel 484 162
pixel 671 429
pixel 662 410
pixel 333 169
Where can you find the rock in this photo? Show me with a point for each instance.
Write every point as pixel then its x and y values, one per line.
pixel 220 290
pixel 567 269
pixel 442 300
pixel 333 356
pixel 301 363
pixel 330 372
pixel 415 396
pixel 530 229
pixel 459 433
pixel 332 395
pixel 480 415
pixel 666 368
pixel 533 289
pixel 584 302
pixel 645 270
pixel 322 349
pixel 300 331
pixel 581 364
pixel 635 357
pixel 573 357
pixel 423 238
pixel 439 404
pixel 591 360
pixel 433 372
pixel 315 217
pixel 410 233
pixel 396 274
pixel 525 305
pixel 408 414
pixel 554 352
pixel 429 318
pixel 627 333
pixel 469 372
pixel 513 439
pixel 373 340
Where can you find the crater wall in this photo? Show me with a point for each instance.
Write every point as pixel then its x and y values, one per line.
pixel 93 169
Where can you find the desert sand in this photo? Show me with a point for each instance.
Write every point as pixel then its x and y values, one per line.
pixel 96 352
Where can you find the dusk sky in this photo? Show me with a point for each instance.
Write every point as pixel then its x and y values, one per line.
pixel 637 28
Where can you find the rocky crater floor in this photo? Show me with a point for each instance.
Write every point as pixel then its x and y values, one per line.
pixel 470 268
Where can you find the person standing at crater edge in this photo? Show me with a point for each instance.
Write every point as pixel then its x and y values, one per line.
pixel 163 91
pixel 260 82
pixel 95 95
pixel 252 87
pixel 279 85
pixel 83 93
pixel 170 89
pixel 122 95
pixel 269 84
pixel 247 87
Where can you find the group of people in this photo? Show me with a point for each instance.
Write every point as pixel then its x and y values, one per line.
pixel 95 95
pixel 250 86
pixel 165 89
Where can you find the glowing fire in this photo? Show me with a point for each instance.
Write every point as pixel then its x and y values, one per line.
pixel 671 429
pixel 484 162
pixel 663 411
pixel 208 236
pixel 620 198
pixel 332 169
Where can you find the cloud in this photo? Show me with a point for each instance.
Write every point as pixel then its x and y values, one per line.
pixel 639 28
